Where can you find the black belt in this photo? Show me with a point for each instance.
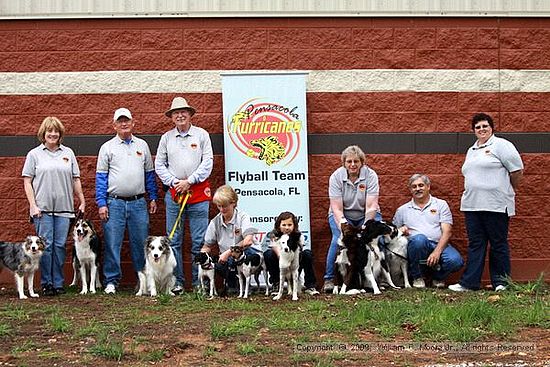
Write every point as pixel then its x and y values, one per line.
pixel 127 198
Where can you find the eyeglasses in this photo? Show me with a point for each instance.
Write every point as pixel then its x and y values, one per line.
pixel 481 127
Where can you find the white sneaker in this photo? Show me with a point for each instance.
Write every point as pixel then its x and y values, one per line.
pixel 500 288
pixel 458 288
pixel 419 283
pixel 311 291
pixel 110 289
pixel 438 284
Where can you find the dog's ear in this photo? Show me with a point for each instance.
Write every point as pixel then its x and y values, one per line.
pixel 166 241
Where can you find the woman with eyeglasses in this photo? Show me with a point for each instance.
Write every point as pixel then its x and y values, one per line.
pixel 492 172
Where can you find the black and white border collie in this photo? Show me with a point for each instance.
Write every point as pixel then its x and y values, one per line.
pixel 248 266
pixel 376 261
pixel 289 263
pixel 206 264
pixel 160 262
pixel 396 255
pixel 86 252
pixel 350 260
pixel 23 259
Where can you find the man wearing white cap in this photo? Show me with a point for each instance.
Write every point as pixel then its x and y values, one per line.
pixel 184 162
pixel 124 172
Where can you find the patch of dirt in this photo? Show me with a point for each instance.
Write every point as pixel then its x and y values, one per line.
pixel 172 335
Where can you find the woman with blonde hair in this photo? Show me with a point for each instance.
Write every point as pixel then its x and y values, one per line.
pixel 51 177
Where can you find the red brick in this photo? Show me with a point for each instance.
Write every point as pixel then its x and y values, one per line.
pixel 404 101
pixel 120 39
pixel 373 38
pixel 356 59
pixel 226 59
pixel 524 59
pixel 332 38
pixel 393 59
pixel 288 39
pixel 528 102
pixel 8 125
pixel 206 39
pixel 211 102
pixel 211 122
pixel 478 101
pixel 418 38
pixel 8 168
pixel 11 188
pixel 478 59
pixel 455 122
pixel 37 40
pixel 162 39
pixel 267 59
pixel 8 41
pixel 183 60
pixel 538 163
pixel 456 38
pixel 78 40
pixel 431 101
pixel 449 163
pixel 309 59
pixel 383 164
pixel 525 121
pixel 524 38
pixel 488 38
pixel 319 123
pixel 415 122
pixel 247 39
pixel 529 205
pixel 534 184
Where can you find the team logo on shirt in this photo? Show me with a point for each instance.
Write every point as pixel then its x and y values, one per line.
pixel 66 159
pixel 433 211
pixel 266 130
pixel 237 232
pixel 362 187
pixel 487 151
pixel 194 146
pixel 139 153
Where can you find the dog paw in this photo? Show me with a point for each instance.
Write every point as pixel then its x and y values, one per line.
pixel 139 294
pixel 34 295
pixel 295 298
pixel 23 296
pixel 171 293
pixel 83 291
pixel 276 298
pixel 153 294
pixel 92 291
pixel 377 292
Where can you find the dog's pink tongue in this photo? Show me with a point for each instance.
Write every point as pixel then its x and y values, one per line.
pixel 80 238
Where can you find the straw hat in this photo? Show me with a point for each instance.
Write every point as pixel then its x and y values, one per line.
pixel 179 103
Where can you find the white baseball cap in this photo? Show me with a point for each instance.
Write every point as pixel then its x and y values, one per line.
pixel 122 112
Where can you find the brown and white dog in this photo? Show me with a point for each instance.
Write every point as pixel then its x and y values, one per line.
pixel 289 262
pixel 158 274
pixel 248 266
pixel 86 252
pixel 348 260
pixel 23 259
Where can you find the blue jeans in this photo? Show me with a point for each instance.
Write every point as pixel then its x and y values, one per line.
pixel 420 247
pixel 331 255
pixel 198 222
pixel 54 230
pixel 134 215
pixel 484 227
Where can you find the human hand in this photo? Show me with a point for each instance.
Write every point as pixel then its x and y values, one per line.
pixel 104 213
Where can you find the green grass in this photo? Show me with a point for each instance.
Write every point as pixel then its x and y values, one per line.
pixel 242 325
pixel 144 330
pixel 59 324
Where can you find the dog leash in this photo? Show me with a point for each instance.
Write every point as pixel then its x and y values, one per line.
pixel 182 202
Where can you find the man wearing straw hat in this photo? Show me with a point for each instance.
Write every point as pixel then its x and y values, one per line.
pixel 184 162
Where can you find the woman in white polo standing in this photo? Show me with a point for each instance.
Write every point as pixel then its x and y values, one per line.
pixel 51 177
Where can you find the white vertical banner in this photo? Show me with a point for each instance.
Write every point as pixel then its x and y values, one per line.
pixel 265 141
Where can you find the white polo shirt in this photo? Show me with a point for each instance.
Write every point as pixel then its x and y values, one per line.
pixel 231 233
pixel 486 173
pixel 125 164
pixel 353 194
pixel 427 220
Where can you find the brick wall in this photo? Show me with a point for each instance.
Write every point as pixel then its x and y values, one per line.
pixel 302 44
